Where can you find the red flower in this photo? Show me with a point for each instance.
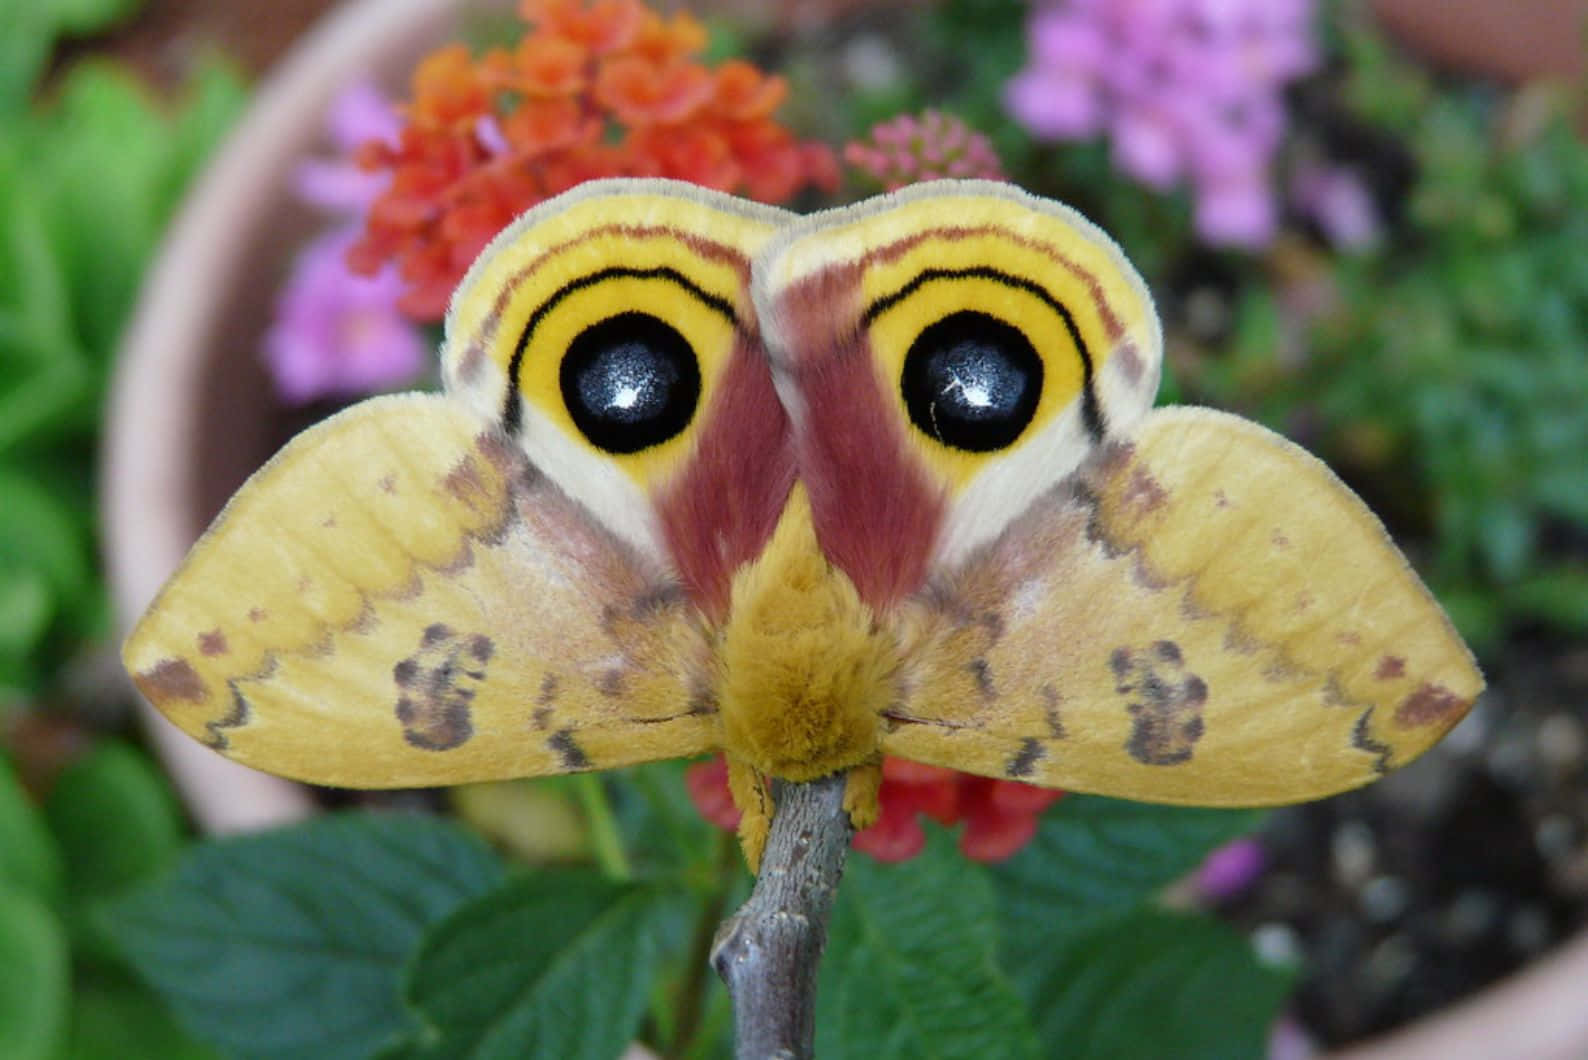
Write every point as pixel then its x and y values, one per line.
pixel 597 88
pixel 639 92
pixel 1000 816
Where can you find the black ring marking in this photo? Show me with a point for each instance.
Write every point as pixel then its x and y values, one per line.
pixel 1091 411
pixel 512 415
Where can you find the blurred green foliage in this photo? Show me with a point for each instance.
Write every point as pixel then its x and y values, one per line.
pixel 28 32
pixel 403 937
pixel 108 825
pixel 87 181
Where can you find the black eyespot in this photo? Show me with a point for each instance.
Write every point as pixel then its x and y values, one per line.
pixel 972 381
pixel 630 382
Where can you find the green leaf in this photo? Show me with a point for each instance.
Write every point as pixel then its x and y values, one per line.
pixel 1094 856
pixel 115 819
pixel 555 964
pixel 40 543
pixel 662 829
pixel 87 16
pixel 29 861
pixel 36 979
pixel 1152 983
pixel 27 606
pixel 113 1016
pixel 25 40
pixel 291 943
pixel 1559 595
pixel 33 285
pixel 910 969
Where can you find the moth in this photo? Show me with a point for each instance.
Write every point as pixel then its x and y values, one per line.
pixel 884 479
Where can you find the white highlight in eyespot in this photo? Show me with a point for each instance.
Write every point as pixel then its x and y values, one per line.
pixel 975 391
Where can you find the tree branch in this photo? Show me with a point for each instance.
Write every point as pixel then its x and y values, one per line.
pixel 768 952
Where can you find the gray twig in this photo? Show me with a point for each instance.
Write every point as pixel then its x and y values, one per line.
pixel 768 952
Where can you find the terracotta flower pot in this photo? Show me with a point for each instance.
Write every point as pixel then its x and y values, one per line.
pixel 1493 38
pixel 192 411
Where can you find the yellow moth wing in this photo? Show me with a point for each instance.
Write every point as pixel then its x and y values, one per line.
pixel 1203 614
pixel 399 598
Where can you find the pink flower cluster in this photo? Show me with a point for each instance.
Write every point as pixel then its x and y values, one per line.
pixel 1186 90
pixel 337 334
pixel 930 147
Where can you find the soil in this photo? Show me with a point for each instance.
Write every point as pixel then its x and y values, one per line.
pixel 1410 895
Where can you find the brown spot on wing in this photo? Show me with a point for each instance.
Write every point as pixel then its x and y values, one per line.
pixel 981 673
pixel 1390 667
pixel 1143 493
pixel 610 683
pixel 1429 704
pixel 437 685
pixel 1025 760
pixel 173 679
pixel 1164 701
pixel 1051 702
pixel 212 642
pixel 459 563
pixel 387 484
pixel 568 750
pixel 257 614
pixel 466 484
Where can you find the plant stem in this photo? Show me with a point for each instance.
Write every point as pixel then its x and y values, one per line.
pixel 604 837
pixel 768 952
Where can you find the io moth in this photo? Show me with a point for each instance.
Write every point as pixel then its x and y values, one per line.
pixel 808 490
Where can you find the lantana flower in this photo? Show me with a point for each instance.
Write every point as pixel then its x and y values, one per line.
pixel 594 89
pixel 1186 91
pixel 337 334
pixel 909 149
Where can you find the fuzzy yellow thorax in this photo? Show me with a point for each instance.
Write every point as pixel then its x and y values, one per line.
pixel 805 673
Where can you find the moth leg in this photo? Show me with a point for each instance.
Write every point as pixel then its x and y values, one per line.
pixel 861 789
pixel 752 794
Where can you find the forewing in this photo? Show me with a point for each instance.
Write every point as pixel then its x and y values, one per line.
pixel 399 598
pixel 1204 615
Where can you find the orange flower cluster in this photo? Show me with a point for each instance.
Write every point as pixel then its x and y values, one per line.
pixel 1000 816
pixel 596 88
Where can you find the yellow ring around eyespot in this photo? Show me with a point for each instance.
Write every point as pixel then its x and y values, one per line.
pixel 709 334
pixel 897 327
